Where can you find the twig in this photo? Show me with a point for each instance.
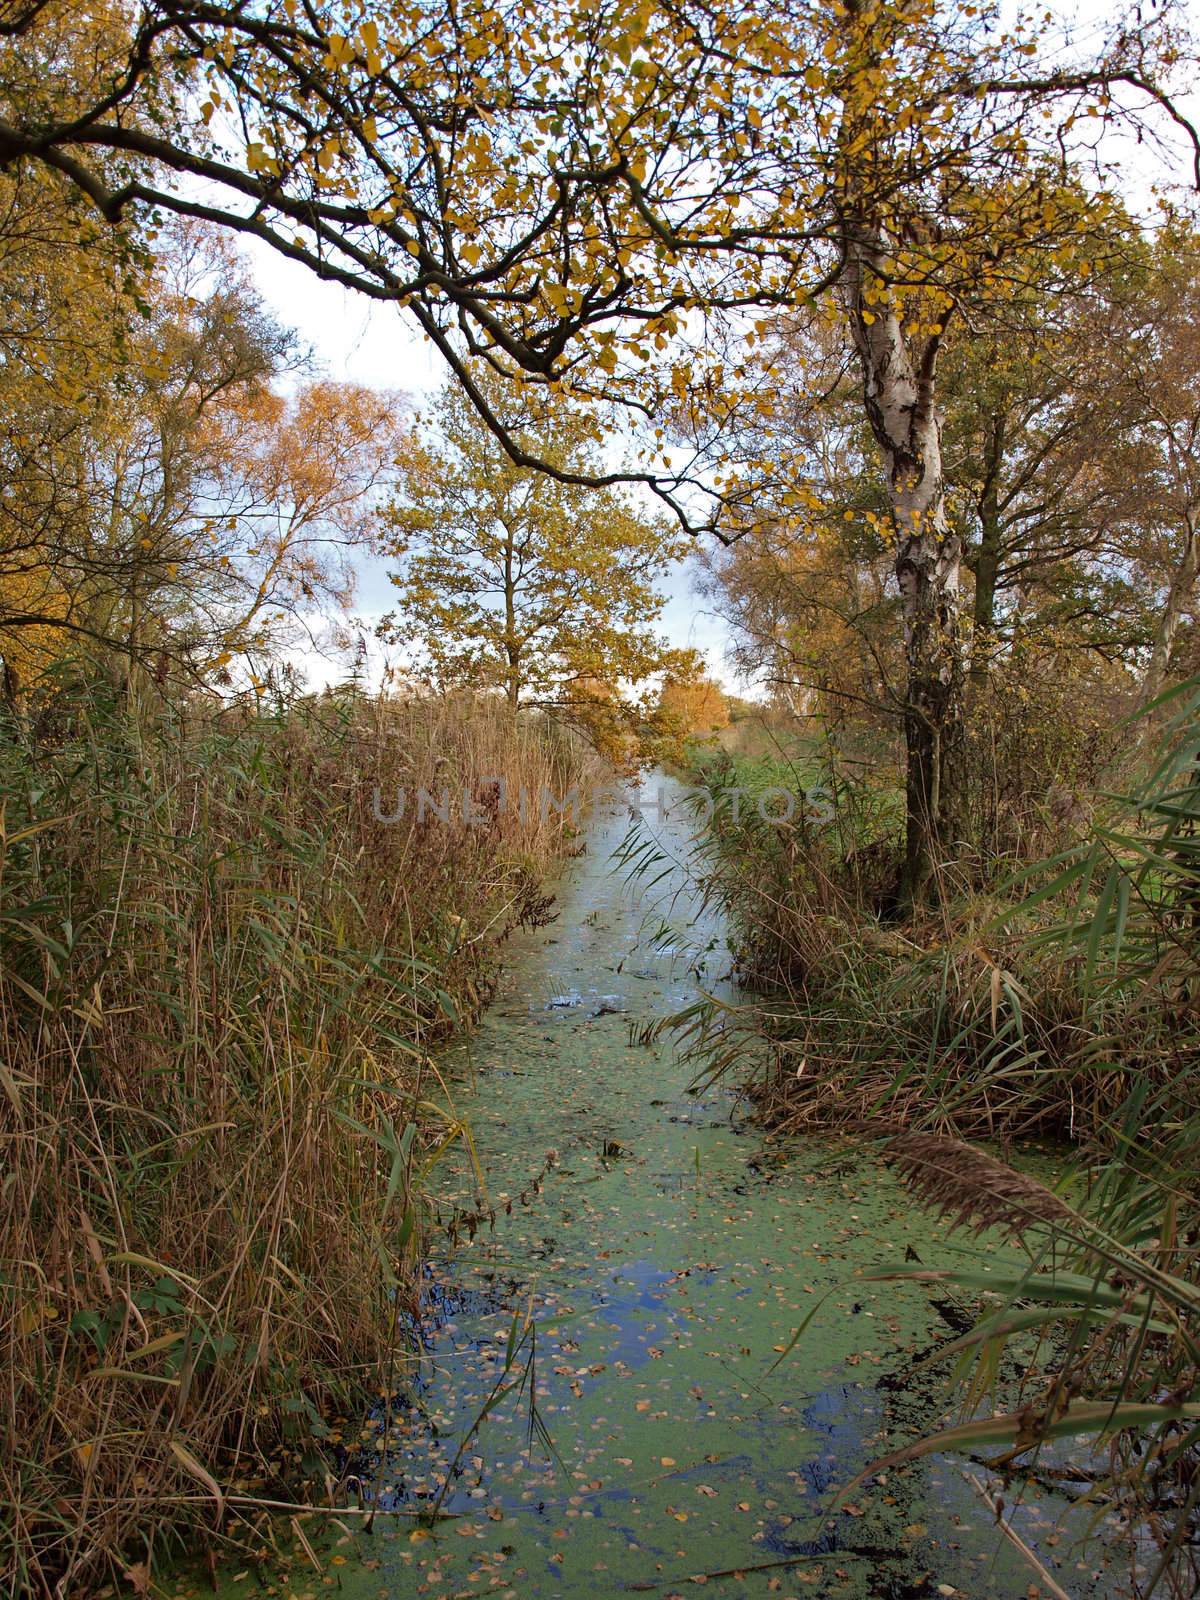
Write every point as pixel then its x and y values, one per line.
pixel 1010 1533
pixel 736 1572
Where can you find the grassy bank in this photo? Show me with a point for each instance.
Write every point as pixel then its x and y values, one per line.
pixel 221 979
pixel 1028 1007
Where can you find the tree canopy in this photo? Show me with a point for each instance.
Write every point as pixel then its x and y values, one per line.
pixel 512 581
pixel 617 199
pixel 561 198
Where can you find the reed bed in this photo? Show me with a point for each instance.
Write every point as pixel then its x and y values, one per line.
pixel 221 979
pixel 1031 1009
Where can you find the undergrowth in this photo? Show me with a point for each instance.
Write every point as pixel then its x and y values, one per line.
pixel 1064 1001
pixel 221 979
pixel 970 1016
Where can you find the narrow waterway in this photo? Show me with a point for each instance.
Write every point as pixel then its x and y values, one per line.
pixel 665 1263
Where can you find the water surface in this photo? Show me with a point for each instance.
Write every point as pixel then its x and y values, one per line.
pixel 669 1256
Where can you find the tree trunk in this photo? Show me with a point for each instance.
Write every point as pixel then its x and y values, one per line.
pixel 987 561
pixel 899 392
pixel 14 689
pixel 512 647
pixel 1183 585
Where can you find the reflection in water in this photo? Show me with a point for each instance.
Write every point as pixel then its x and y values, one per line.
pixel 667 1263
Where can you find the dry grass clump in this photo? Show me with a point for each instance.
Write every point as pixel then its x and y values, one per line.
pixel 1033 1009
pixel 221 977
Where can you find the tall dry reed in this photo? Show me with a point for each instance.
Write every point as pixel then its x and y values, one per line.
pixel 221 979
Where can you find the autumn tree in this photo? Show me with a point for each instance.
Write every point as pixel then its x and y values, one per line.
pixel 1031 411
pixel 1153 363
pixel 163 499
pixel 806 589
pixel 1071 431
pixel 812 617
pixel 70 288
pixel 605 197
pixel 513 582
pixel 1042 473
pixel 694 705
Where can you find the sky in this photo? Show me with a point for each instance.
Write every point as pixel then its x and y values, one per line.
pixel 359 341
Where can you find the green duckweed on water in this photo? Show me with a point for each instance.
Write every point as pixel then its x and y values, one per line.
pixel 662 1271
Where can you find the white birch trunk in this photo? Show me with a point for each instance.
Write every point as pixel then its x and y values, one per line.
pixel 901 405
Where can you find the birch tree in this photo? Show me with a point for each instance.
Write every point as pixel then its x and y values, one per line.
pixel 162 501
